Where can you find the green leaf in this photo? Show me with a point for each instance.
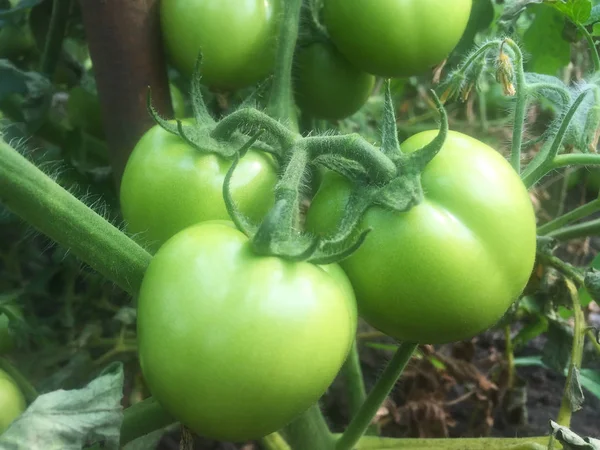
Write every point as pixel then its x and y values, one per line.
pixel 578 11
pixel 68 420
pixel 574 391
pixel 543 40
pixel 557 351
pixel 590 380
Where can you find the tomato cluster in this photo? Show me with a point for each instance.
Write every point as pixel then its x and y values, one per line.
pixel 235 342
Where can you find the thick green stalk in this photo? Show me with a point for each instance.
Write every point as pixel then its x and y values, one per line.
pixel 529 443
pixel 360 423
pixel 571 216
pixel 143 418
pixel 45 205
pixel 55 36
pixel 309 432
pixel 575 159
pixel 281 102
pixel 591 228
pixel 566 411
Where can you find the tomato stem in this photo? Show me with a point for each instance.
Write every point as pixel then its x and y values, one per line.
pixel 591 228
pixel 591 44
pixel 143 418
pixel 360 423
pixel 29 392
pixel 521 104
pixel 37 199
pixel 274 441
pixel 281 105
pixel 55 36
pixel 571 216
pixel 566 405
pixel 309 431
pixel 543 163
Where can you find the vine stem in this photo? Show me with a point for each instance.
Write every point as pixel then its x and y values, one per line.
pixel 585 229
pixel 55 36
pixel 29 392
pixel 575 159
pixel 510 357
pixel 592 45
pixel 274 441
pixel 281 104
pixel 309 431
pixel 36 198
pixel 519 120
pixel 530 443
pixel 566 410
pixel 571 216
pixel 383 387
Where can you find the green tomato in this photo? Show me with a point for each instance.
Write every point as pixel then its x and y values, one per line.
pixel 237 39
pixel 12 402
pixel 396 38
pixel 168 185
pixel 327 86
pixel 451 266
pixel 236 345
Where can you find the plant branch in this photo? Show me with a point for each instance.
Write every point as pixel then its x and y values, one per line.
pixel 591 44
pixel 571 216
pixel 591 228
pixel 37 199
pixel 55 36
pixel 143 418
pixel 519 119
pixel 376 397
pixel 309 431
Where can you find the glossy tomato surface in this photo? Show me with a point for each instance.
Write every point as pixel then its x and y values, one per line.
pixel 168 185
pixel 327 86
pixel 396 38
pixel 451 266
pixel 236 345
pixel 12 402
pixel 237 38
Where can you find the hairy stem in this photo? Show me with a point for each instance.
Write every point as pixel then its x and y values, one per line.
pixel 281 105
pixel 519 118
pixel 37 199
pixel 274 441
pixel 376 397
pixel 143 418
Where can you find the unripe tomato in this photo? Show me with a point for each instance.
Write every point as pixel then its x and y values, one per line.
pixel 396 38
pixel 236 345
pixel 12 402
pixel 167 186
pixel 327 86
pixel 237 38
pixel 451 266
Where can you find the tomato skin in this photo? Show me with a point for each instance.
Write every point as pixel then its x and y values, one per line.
pixel 237 38
pixel 167 186
pixel 12 402
pixel 236 345
pixel 327 86
pixel 451 266
pixel 396 38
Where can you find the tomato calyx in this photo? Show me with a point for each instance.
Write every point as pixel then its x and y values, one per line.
pixel 386 177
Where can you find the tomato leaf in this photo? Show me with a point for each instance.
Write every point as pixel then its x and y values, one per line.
pixel 544 41
pixel 574 391
pixel 71 419
pixel 557 351
pixel 578 11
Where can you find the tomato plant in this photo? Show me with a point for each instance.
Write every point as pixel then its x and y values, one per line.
pixel 327 86
pixel 236 345
pixel 450 267
pixel 168 185
pixel 396 38
pixel 12 402
pixel 237 39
